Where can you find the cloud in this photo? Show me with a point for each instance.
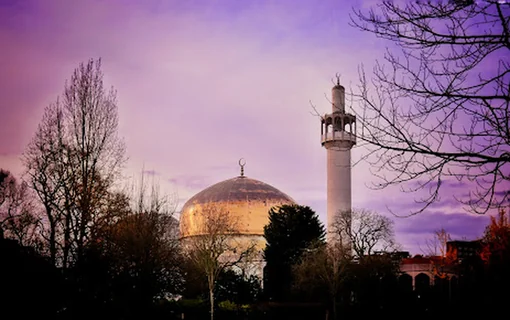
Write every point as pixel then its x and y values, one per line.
pixel 413 232
pixel 191 183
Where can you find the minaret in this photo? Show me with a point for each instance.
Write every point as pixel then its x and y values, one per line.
pixel 338 137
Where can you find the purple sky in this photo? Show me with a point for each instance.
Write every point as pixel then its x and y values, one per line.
pixel 204 83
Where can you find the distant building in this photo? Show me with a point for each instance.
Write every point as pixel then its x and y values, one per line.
pixel 463 249
pixel 426 269
pixel 419 268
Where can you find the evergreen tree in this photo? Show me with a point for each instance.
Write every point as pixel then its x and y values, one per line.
pixel 291 230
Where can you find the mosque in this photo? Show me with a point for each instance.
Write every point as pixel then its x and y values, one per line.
pixel 249 200
pixel 246 200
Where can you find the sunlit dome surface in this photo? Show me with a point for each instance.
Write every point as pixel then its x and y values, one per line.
pixel 248 200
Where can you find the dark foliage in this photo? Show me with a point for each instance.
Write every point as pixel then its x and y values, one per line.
pixel 31 286
pixel 238 288
pixel 374 281
pixel 231 286
pixel 291 230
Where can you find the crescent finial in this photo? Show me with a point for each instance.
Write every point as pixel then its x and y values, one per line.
pixel 242 163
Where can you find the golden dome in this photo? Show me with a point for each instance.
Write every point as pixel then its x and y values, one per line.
pixel 248 200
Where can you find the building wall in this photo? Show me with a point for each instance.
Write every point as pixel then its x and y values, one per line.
pixel 421 266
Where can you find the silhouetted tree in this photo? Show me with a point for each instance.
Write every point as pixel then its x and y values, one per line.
pixel 146 249
pixel 238 288
pixel 133 258
pixel 31 285
pixel 323 274
pixel 471 281
pixel 212 246
pixel 292 229
pixel 364 231
pixel 496 255
pixel 45 163
pixel 437 108
pixel 445 257
pixel 74 159
pixel 374 282
pixel 195 287
pixel 18 217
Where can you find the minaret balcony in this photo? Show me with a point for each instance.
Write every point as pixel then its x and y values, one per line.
pixel 338 136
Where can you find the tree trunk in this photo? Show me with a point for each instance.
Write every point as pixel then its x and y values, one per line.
pixel 53 245
pixel 211 298
pixel 334 307
pixel 52 238
pixel 67 240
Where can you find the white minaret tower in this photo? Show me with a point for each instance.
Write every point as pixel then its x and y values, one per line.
pixel 338 137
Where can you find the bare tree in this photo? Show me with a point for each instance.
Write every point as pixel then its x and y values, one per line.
pixel 74 159
pixel 437 108
pixel 18 218
pixel 97 153
pixel 364 231
pixel 45 162
pixel 443 257
pixel 437 245
pixel 324 266
pixel 140 240
pixel 212 244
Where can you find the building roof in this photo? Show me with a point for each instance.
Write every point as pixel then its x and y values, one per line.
pixel 249 200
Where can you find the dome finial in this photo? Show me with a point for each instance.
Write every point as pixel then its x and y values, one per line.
pixel 337 79
pixel 242 163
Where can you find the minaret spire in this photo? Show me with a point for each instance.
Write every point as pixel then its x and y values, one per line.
pixel 338 136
